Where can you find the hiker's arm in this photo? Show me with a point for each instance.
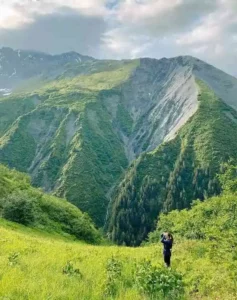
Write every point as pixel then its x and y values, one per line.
pixel 166 242
pixel 163 239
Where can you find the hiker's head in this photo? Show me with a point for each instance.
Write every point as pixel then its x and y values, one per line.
pixel 169 236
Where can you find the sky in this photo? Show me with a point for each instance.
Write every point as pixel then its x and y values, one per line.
pixel 118 29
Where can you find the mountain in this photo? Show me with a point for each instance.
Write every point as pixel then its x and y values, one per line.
pixel 176 172
pixel 18 66
pixel 122 140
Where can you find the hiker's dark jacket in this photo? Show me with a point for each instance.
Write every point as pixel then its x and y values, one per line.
pixel 167 245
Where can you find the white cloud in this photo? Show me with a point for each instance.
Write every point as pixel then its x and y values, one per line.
pixel 10 17
pixel 200 50
pixel 117 43
pixel 133 11
pixel 206 29
pixel 213 39
pixel 140 22
pixel 126 28
pixel 159 17
pixel 204 33
pixel 16 13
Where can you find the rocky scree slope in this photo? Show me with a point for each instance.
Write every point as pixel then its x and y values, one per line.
pixel 77 132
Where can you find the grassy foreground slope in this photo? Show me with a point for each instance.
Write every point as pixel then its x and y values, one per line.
pixel 40 265
pixel 36 266
pixel 22 203
pixel 177 172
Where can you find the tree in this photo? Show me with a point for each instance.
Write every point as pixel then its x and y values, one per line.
pixel 228 178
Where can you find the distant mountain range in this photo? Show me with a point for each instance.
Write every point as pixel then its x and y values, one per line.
pixel 123 140
pixel 16 66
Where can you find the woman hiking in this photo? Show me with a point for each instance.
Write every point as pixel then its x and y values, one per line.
pixel 167 240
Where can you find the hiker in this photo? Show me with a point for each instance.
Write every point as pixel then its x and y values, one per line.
pixel 167 240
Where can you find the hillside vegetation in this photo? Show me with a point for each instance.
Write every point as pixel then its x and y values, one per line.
pixel 38 266
pixel 21 203
pixel 40 259
pixel 62 135
pixel 176 173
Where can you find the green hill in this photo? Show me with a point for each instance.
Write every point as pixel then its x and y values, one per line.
pixel 21 203
pixel 177 172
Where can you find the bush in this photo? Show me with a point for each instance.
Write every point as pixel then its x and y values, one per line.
pixel 20 207
pixel 69 270
pixel 158 283
pixel 114 272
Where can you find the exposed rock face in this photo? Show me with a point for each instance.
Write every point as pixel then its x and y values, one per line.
pixel 160 97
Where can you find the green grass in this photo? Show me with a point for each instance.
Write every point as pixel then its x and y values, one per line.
pixel 32 264
pixel 39 264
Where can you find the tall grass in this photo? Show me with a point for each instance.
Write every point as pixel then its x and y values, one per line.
pixel 35 266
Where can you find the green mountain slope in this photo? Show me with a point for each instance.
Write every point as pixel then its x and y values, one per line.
pixel 63 137
pixel 76 130
pixel 175 173
pixel 22 203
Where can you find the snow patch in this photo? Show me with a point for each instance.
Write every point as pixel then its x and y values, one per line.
pixel 5 92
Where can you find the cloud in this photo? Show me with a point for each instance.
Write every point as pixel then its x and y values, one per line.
pixel 124 28
pixel 213 39
pixel 116 43
pixel 16 13
pixel 64 30
pixel 159 17
pixel 158 28
pixel 140 23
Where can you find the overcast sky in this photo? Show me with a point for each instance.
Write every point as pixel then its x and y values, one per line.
pixel 117 29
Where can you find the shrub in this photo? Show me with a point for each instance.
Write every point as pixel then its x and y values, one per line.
pixel 20 207
pixel 69 270
pixel 114 272
pixel 13 259
pixel 157 282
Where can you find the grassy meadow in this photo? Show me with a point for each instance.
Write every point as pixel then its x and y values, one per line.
pixel 35 265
